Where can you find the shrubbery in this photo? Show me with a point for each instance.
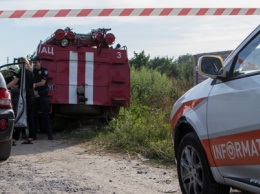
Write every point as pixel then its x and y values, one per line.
pixel 150 88
pixel 145 127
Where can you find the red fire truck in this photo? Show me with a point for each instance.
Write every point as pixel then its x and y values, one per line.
pixel 87 76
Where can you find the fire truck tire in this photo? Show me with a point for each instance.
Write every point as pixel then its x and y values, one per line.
pixel 116 110
pixel 112 112
pixel 193 170
pixel 109 114
pixel 80 110
pixel 5 149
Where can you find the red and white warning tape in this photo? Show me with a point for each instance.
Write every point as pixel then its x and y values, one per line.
pixel 128 12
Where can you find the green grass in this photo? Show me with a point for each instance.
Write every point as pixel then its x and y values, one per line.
pixel 138 132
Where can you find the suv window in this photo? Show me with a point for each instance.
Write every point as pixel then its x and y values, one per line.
pixel 248 60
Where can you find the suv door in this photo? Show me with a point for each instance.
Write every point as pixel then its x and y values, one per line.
pixel 19 95
pixel 234 117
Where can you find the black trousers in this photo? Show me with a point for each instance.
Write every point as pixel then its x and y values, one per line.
pixel 30 119
pixel 42 107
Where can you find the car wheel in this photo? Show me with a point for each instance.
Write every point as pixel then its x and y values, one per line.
pixel 5 149
pixel 193 170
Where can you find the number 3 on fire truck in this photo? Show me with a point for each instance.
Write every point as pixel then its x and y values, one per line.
pixel 118 55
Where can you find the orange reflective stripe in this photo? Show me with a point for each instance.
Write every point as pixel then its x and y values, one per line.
pixel 234 150
pixel 185 107
pixel 206 146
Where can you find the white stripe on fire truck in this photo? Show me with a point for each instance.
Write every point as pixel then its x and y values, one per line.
pixel 89 77
pixel 73 77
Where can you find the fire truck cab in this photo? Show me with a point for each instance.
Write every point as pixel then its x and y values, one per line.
pixel 87 76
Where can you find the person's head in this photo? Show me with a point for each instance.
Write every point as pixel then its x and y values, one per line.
pixel 27 64
pixel 12 72
pixel 36 62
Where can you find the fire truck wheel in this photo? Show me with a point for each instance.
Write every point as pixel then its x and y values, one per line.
pixel 5 149
pixel 193 170
pixel 110 113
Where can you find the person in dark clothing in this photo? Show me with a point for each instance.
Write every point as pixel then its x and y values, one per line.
pixel 41 94
pixel 29 87
pixel 11 76
pixel 14 89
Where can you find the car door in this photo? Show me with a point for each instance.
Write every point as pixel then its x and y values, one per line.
pixel 18 94
pixel 233 117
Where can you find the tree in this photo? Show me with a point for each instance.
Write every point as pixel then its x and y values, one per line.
pixel 140 60
pixel 185 67
pixel 184 59
pixel 166 66
pixel 158 62
pixel 181 68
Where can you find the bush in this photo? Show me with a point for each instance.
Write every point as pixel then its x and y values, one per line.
pixel 151 88
pixel 145 127
pixel 142 130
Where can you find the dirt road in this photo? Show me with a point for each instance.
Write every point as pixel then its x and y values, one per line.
pixel 59 167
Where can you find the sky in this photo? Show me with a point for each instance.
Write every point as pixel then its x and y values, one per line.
pixel 168 36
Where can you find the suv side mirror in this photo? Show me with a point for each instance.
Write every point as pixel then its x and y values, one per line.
pixel 211 66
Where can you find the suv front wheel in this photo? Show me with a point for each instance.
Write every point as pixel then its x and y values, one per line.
pixel 5 149
pixel 193 170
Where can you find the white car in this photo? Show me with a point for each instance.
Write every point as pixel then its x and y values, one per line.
pixel 216 125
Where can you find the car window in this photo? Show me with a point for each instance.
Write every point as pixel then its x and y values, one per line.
pixel 248 60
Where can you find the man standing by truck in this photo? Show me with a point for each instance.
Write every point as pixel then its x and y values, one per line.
pixel 41 94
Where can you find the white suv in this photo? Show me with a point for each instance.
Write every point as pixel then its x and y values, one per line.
pixel 216 125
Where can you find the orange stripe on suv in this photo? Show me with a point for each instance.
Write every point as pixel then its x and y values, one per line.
pixel 234 150
pixel 184 108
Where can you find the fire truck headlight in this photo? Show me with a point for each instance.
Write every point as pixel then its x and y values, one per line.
pixel 110 38
pixel 59 34
pixel 64 42
pixel 70 35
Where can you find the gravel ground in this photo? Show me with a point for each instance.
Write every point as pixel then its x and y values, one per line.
pixel 59 167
